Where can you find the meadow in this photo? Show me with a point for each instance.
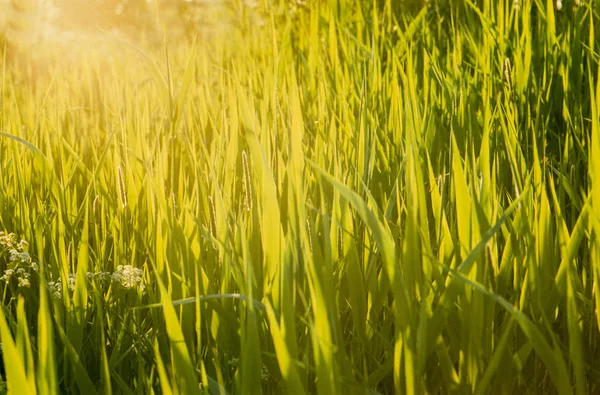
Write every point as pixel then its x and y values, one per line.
pixel 310 197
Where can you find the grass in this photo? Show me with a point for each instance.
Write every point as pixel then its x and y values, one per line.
pixel 347 197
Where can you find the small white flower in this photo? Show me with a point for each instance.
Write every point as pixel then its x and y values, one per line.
pixel 19 256
pixel 8 240
pixel 71 282
pixel 103 277
pixel 55 289
pixel 264 373
pixel 233 362
pixel 24 256
pixel 8 273
pixel 128 277
pixel 14 255
pixel 24 282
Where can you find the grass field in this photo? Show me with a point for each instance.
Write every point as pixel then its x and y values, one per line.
pixel 332 197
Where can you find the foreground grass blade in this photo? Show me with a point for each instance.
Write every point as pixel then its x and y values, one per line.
pixel 16 374
pixel 552 357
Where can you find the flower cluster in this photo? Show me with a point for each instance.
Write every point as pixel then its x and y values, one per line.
pixel 55 289
pixel 102 278
pixel 8 241
pixel 126 276
pixel 265 375
pixel 233 362
pixel 20 264
pixel 20 275
pixel 129 277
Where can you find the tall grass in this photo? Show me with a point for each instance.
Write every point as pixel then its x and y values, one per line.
pixel 334 197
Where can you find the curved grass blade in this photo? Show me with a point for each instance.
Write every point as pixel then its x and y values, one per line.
pixel 551 357
pixel 448 297
pixel 39 155
pixel 205 298
pixel 16 375
pixel 84 382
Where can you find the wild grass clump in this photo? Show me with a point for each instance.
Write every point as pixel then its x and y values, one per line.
pixel 347 197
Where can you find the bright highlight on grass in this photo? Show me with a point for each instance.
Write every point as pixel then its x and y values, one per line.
pixel 332 197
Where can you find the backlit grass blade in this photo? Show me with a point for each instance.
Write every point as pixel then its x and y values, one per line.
pixel 454 287
pixel 45 163
pixel 183 370
pixel 84 383
pixel 164 380
pixel 576 352
pixel 46 376
pixel 495 363
pixel 14 362
pixel 292 382
pixel 186 84
pixel 251 364
pixel 23 341
pixel 552 357
pixel 104 367
pixel 594 172
pixel 204 298
pixel 157 75
pixel 380 231
pixel 78 314
pixel 387 248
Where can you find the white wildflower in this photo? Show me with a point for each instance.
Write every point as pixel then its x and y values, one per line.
pixel 8 273
pixel 129 277
pixel 71 282
pixel 23 244
pixel 233 362
pixel 23 278
pixel 264 373
pixel 19 256
pixel 55 289
pixel 8 240
pixel 103 277
pixel 24 282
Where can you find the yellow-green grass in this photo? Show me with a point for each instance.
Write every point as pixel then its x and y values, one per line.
pixel 353 197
